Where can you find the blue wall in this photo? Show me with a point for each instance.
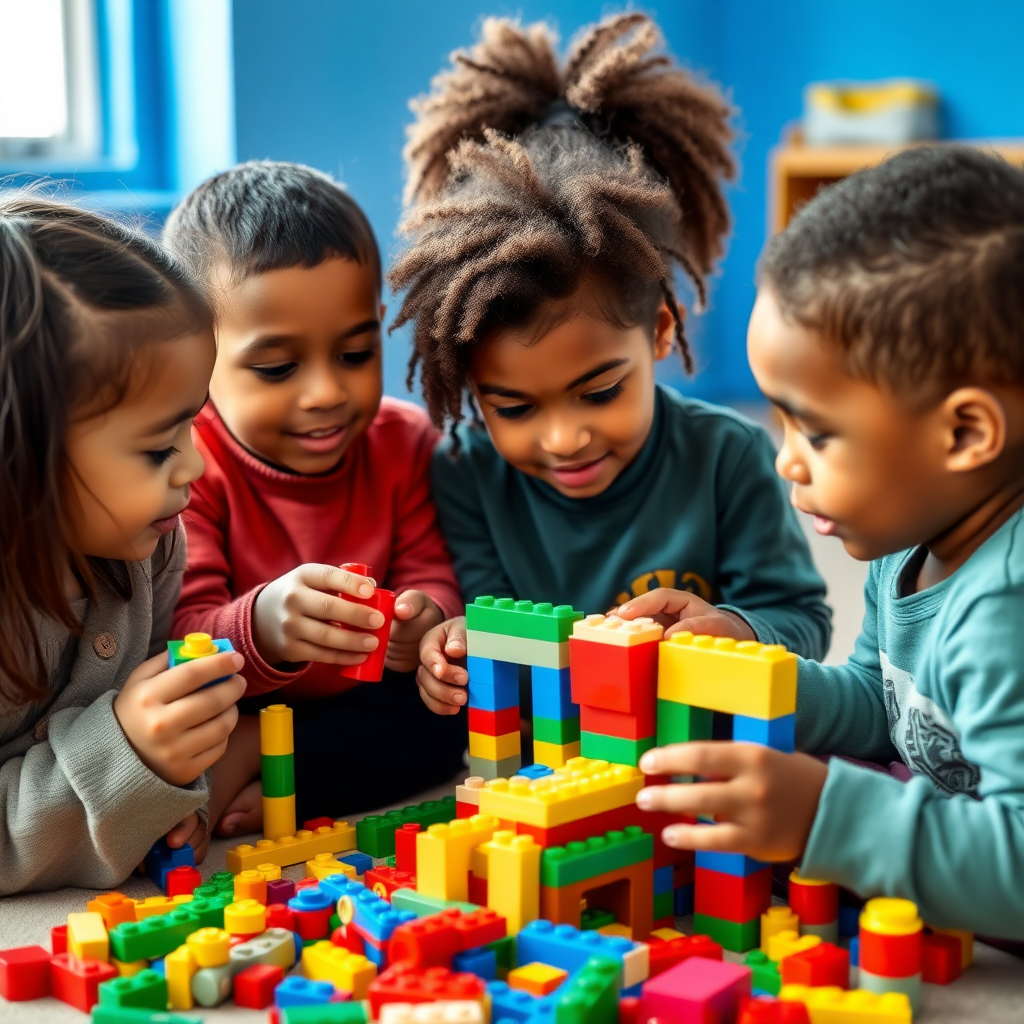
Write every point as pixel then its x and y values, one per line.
pixel 326 82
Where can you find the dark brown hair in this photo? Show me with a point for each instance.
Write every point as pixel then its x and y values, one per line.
pixel 914 269
pixel 79 295
pixel 619 182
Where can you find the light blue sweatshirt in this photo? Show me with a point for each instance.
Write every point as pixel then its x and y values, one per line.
pixel 936 677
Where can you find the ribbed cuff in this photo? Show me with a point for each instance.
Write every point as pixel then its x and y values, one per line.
pixel 260 676
pixel 762 629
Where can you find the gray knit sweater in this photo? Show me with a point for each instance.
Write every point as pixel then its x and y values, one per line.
pixel 77 806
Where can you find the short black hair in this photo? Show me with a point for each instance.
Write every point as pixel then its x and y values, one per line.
pixel 268 215
pixel 913 268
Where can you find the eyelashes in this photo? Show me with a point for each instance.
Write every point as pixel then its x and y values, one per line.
pixel 158 458
pixel 609 394
pixel 281 371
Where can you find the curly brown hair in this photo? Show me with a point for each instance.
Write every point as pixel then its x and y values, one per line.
pixel 619 181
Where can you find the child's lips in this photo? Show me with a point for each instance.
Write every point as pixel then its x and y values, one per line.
pixel 825 526
pixel 322 440
pixel 578 474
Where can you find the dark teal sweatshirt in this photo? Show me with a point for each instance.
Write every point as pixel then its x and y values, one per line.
pixel 700 509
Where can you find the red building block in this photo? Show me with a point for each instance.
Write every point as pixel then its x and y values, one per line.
pixel 254 987
pixel 615 678
pixel 891 956
pixel 182 881
pixel 372 669
pixel 773 1011
pixel 823 965
pixel 433 941
pixel 383 881
pixel 494 723
pixel 405 845
pixel 732 897
pixel 464 810
pixel 304 883
pixel 813 904
pixel 685 870
pixel 667 954
pixel 941 963
pixel 24 973
pixel 616 723
pixel 314 823
pixel 631 1011
pixel 77 982
pixel 403 983
pixel 280 916
pixel 478 891
pixel 59 938
pixel 348 938
pixel 697 991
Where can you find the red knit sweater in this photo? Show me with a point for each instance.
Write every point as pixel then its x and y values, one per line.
pixel 249 523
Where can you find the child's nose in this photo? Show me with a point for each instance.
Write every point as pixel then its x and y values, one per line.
pixel 563 437
pixel 790 467
pixel 323 391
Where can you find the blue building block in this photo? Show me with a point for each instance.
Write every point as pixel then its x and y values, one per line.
pixel 513 1004
pixel 161 859
pixel 159 966
pixel 174 657
pixel 633 992
pixel 535 771
pixel 375 916
pixel 663 879
pixel 552 695
pixel 360 861
pixel 297 991
pixel 777 733
pixel 481 961
pixel 493 685
pixel 731 863
pixel 855 951
pixel 336 886
pixel 378 957
pixel 682 900
pixel 849 921
pixel 561 945
pixel 313 898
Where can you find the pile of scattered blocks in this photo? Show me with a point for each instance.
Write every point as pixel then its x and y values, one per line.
pixel 539 896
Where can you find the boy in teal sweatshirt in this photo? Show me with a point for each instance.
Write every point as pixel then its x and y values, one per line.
pixel 887 331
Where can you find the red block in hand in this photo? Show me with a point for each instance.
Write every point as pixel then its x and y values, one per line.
pixel 825 964
pixel 372 669
pixel 942 962
pixel 24 973
pixel 254 987
pixel 182 881
pixel 77 982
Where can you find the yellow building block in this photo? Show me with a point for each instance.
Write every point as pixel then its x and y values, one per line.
pixel 179 966
pixel 443 855
pixel 277 734
pixel 278 816
pixel 966 944
pixel 610 629
pixel 323 865
pixel 829 1005
pixel 478 862
pixel 578 789
pixel 554 755
pixel 514 864
pixel 619 931
pixel 269 871
pixel 153 905
pixel 345 970
pixel 494 748
pixel 87 936
pixel 721 674
pixel 886 915
pixel 787 943
pixel 210 947
pixel 297 849
pixel 247 917
pixel 776 920
pixel 667 934
pixel 129 969
pixel 537 979
pixel 251 885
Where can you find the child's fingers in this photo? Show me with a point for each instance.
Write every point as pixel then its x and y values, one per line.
pixel 443 692
pixel 455 644
pixel 177 683
pixel 204 705
pixel 727 838
pixel 656 602
pixel 179 835
pixel 713 623
pixel 303 650
pixel 411 603
pixel 693 798
pixel 720 760
pixel 332 580
pixel 325 609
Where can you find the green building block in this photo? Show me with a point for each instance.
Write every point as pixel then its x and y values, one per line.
pixel 664 905
pixel 204 891
pixel 325 1013
pixel 278 774
pixel 155 936
pixel 614 748
pixel 680 723
pixel 731 935
pixel 209 910
pixel 504 952
pixel 591 996
pixel 594 917
pixel 574 862
pixel 224 880
pixel 147 989
pixel 554 730
pixel 522 619
pixel 766 972
pixel 375 834
pixel 391 862
pixel 130 1015
pixel 426 906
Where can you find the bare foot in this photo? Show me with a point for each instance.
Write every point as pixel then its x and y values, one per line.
pixel 244 814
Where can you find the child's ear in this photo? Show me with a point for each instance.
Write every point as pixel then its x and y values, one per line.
pixel 974 423
pixel 665 330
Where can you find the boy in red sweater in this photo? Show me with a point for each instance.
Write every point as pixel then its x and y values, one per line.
pixel 307 467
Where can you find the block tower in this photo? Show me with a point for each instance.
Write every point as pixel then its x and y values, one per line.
pixel 277 755
pixel 503 634
pixel 756 684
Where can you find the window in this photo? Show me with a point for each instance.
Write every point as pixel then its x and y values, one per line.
pixel 49 103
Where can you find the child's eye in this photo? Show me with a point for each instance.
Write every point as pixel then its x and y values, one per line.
pixel 511 412
pixel 158 458
pixel 605 396
pixel 817 441
pixel 273 373
pixel 357 358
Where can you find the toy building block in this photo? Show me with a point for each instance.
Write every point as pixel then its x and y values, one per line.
pixel 836 1006
pixel 494 748
pixel 375 834
pixel 556 730
pixel 594 919
pixel 816 903
pixel 254 986
pixel 516 650
pixel 296 991
pixel 578 790
pixel 632 904
pixel 424 906
pixel 664 906
pixel 579 861
pixel 683 900
pixel 824 965
pixel 766 977
pixel 777 733
pixel 761 1010
pixel 537 979
pixel 402 983
pixel 153 937
pixel 197 645
pixel 252 885
pixel 966 944
pixel 154 906
pixel 209 946
pixel 493 723
pixel 443 855
pixel 554 755
pixel 360 862
pixel 618 723
pixel 209 911
pixel 732 897
pixel 405 845
pixel 551 690
pixel 697 990
pixel 161 859
pixel 482 962
pixel 776 920
pixel 734 677
pixel 276 947
pixel 663 876
pixel 346 971
pixel 622 679
pixel 882 985
pixel 311 909
pixel 59 938
pixel 384 881
pixel 76 982
pixel 614 748
pixel 563 946
pixel 941 959
pixel 179 968
pixel 488 770
pixel 681 723
pixel 591 996
pixel 246 917
pixel 323 865
pixel 182 881
pixel 522 619
pixel 371 669
pixel 434 941
pixel 493 685
pixel 277 757
pixel 735 936
pixel 145 990
pixel 297 849
pixel 114 907
pixel 891 938
pixel 516 861
pixel 311 824
pixel 730 863
pixel 87 937
pixel 24 973
pixel 668 952
pixel 467 794
pixel 785 944
pixel 615 632
pixel 442 1012
pixel 332 1013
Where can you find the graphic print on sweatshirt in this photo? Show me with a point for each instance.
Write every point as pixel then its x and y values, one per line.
pixel 924 735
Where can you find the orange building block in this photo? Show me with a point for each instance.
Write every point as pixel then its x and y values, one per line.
pixel 627 892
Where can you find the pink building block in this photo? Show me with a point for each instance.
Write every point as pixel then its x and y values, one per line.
pixel 697 991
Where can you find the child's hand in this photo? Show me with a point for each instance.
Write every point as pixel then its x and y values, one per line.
pixel 300 617
pixel 177 728
pixel 192 831
pixel 415 613
pixel 443 684
pixel 685 611
pixel 763 801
